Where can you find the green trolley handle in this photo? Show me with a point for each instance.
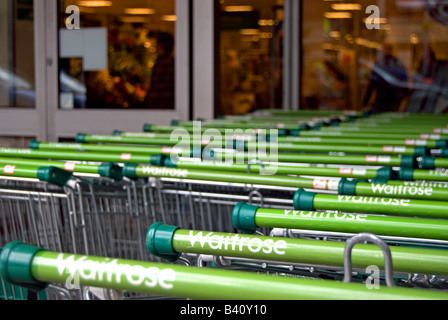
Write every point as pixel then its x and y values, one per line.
pixel 35 268
pixel 134 171
pixel 433 144
pixel 51 175
pixel 310 201
pixel 434 162
pixel 368 135
pixel 356 188
pixel 168 242
pixel 248 218
pixel 285 146
pixel 179 141
pixel 432 124
pixel 199 131
pixel 343 186
pixel 384 173
pixel 418 151
pixel 409 174
pixel 233 124
pixel 117 157
pixel 113 148
pixel 415 130
pixel 109 170
pixel 363 160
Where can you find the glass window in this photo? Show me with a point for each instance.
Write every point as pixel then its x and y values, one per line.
pixel 375 55
pixel 17 83
pixel 120 57
pixel 250 33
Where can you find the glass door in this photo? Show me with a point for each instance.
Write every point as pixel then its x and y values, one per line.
pixel 19 76
pixel 116 65
pixel 375 55
pixel 251 55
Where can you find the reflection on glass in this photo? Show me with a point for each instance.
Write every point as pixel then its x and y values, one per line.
pixel 400 66
pixel 17 87
pixel 161 89
pixel 388 82
pixel 250 33
pixel 122 56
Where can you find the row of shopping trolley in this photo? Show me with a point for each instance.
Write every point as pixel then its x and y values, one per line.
pixel 269 205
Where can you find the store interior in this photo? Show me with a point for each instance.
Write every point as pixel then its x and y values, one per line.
pixel 339 52
pixel 339 46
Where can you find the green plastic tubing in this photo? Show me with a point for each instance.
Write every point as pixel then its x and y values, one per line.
pixel 267 123
pixel 431 175
pixel 312 146
pixel 369 160
pixel 202 129
pixel 425 184
pixel 350 149
pixel 187 142
pixel 320 113
pixel 371 135
pixel 144 171
pixel 18 171
pixel 406 127
pixel 283 169
pixel 359 141
pixel 422 121
pixel 81 137
pixel 409 174
pixel 406 192
pixel 223 172
pixel 103 148
pixel 50 174
pixel 310 201
pixel 249 218
pixel 119 157
pixel 390 190
pixel 255 124
pixel 65 165
pixel 415 129
pixel 434 162
pixel 137 140
pixel 441 163
pixel 180 281
pixel 309 252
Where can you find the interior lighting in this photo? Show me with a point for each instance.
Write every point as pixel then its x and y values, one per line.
pixel 95 4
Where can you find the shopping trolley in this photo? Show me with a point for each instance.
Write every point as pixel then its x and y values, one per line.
pixel 159 188
pixel 176 196
pixel 37 207
pixel 230 250
pixel 76 211
pixel 179 281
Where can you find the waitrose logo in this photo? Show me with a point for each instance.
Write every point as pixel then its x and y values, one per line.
pixel 15 150
pixel 439 172
pixel 372 200
pixel 114 272
pixel 237 243
pixel 165 172
pixel 326 215
pixel 401 190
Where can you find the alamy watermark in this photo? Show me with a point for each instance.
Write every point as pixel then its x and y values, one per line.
pixel 227 146
pixel 73 22
pixel 373 21
pixel 373 281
